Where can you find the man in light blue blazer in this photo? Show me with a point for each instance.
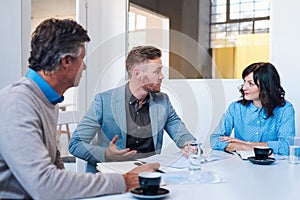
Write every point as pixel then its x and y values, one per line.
pixel 129 121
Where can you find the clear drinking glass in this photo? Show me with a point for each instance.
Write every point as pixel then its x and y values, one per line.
pixel 294 150
pixel 194 155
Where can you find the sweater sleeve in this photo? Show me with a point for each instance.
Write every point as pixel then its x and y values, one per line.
pixel 27 152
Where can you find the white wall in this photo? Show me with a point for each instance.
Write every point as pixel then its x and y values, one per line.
pixel 285 44
pixel 14 39
pixel 106 24
pixel 200 104
pixel 43 9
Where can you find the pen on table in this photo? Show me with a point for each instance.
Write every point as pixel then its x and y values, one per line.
pixel 138 163
pixel 158 170
pixel 226 151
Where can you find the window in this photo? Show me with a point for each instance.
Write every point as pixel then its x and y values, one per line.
pixel 175 27
pixel 230 18
pixel 239 35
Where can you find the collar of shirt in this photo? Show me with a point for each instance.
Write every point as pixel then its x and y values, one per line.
pixel 255 109
pixel 130 98
pixel 48 91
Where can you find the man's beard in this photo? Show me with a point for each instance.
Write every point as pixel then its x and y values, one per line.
pixel 151 87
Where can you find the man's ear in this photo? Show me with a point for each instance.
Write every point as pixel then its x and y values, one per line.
pixel 66 62
pixel 137 73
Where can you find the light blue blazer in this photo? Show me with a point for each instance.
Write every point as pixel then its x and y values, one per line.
pixel 106 117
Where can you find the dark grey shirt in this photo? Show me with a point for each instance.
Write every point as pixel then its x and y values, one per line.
pixel 139 133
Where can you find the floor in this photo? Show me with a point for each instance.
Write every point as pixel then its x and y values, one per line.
pixel 63 145
pixel 64 142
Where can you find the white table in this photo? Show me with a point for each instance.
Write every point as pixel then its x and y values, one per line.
pixel 242 181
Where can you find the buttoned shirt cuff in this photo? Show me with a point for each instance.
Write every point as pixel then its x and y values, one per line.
pixel 223 145
pixel 220 146
pixel 275 146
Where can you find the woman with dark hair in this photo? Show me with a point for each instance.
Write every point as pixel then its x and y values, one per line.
pixel 261 118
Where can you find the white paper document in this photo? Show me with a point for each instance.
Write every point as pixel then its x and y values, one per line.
pixel 179 161
pixel 166 160
pixel 245 154
pixel 116 167
pixel 185 177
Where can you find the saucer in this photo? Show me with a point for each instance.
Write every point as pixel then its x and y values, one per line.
pixel 261 162
pixel 138 193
